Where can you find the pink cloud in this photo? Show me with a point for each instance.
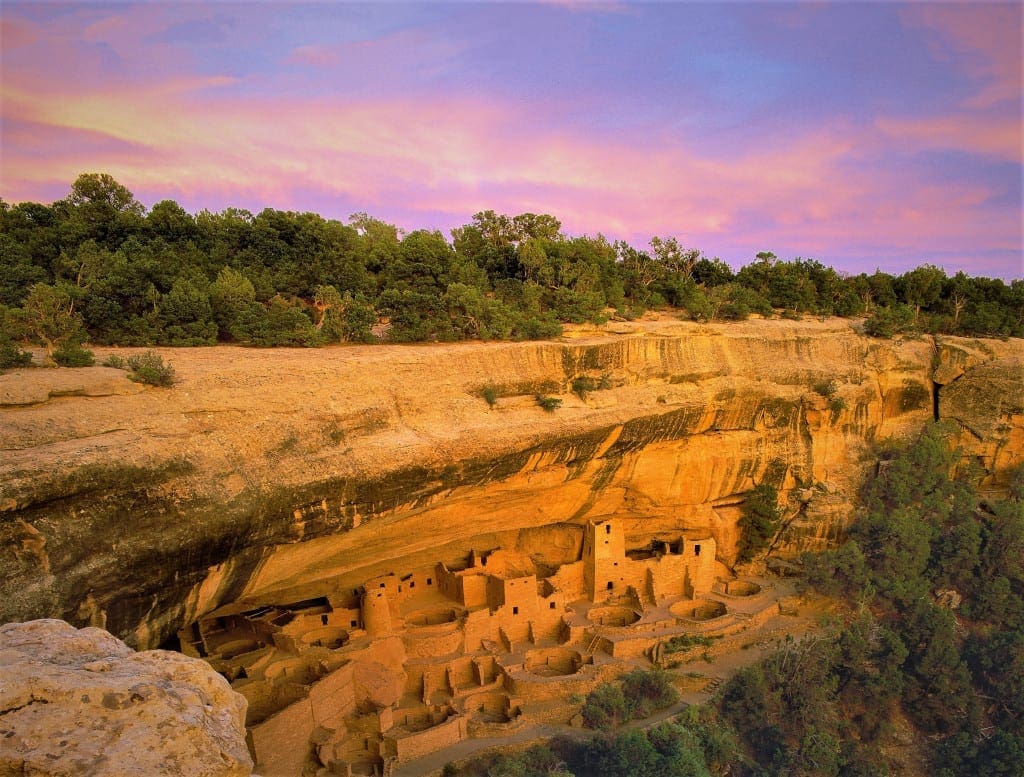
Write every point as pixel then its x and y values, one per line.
pixel 456 156
pixel 985 37
pixel 995 136
pixel 16 34
pixel 317 56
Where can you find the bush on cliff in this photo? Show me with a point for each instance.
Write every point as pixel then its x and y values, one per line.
pixel 759 520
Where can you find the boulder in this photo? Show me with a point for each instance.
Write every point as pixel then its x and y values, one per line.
pixel 81 702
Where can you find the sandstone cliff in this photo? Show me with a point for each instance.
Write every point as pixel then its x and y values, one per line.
pixel 262 474
pixel 81 702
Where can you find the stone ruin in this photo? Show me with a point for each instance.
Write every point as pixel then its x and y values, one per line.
pixel 364 679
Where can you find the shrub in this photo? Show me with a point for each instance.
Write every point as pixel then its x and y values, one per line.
pixel 11 355
pixel 583 385
pixel 149 368
pixel 116 362
pixel 684 642
pixel 888 321
pixel 605 707
pixel 73 355
pixel 827 388
pixel 641 694
pixel 549 404
pixel 647 691
pixel 489 394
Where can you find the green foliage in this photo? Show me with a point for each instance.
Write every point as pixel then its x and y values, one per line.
pixel 837 405
pixel 827 388
pixel 489 394
pixel 72 354
pixel 640 694
pixel 168 277
pixel 923 530
pixel 886 322
pixel 538 761
pixel 149 368
pixel 759 520
pixel 683 642
pixel 10 354
pixel 604 708
pixel 548 404
pixel 583 385
pixel 50 317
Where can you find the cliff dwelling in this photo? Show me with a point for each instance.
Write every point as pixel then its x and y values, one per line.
pixel 366 679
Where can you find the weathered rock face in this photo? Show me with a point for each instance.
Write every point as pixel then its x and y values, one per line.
pixel 264 476
pixel 76 702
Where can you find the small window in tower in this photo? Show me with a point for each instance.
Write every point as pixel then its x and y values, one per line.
pixel 610 584
pixel 382 585
pixel 607 528
pixel 552 605
pixel 323 620
pixel 515 610
pixel 355 591
pixel 353 624
pixel 412 583
pixel 399 589
pixel 430 581
pixel 696 550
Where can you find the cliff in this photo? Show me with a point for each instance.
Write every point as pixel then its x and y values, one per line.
pixel 262 475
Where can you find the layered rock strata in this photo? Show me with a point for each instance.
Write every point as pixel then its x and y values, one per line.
pixel 262 476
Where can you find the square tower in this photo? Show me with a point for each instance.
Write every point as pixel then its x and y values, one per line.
pixel 604 549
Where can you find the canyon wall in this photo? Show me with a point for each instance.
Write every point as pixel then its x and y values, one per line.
pixel 276 475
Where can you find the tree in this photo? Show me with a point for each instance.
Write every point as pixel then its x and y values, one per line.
pixel 17 273
pixel 673 257
pixel 325 299
pixel 759 520
pixel 231 296
pixel 51 318
pixel 101 209
pixel 169 221
pixel 921 287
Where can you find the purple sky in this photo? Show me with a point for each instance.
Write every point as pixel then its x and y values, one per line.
pixel 861 134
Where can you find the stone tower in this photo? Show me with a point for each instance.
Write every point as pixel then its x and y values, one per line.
pixel 604 548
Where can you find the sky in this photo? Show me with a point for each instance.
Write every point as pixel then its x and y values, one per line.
pixel 864 135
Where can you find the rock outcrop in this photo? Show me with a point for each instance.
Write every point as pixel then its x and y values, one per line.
pixel 81 702
pixel 264 475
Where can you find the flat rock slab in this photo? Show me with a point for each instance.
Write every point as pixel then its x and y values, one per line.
pixel 81 702
pixel 41 384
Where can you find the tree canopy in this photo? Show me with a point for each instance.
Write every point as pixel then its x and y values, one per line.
pixel 123 275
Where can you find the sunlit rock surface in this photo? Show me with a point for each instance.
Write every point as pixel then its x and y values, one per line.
pixel 81 702
pixel 263 475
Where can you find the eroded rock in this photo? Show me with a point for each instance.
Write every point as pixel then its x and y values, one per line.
pixel 81 702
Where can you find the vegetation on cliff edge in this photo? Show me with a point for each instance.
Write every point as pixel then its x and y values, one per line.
pixel 96 265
